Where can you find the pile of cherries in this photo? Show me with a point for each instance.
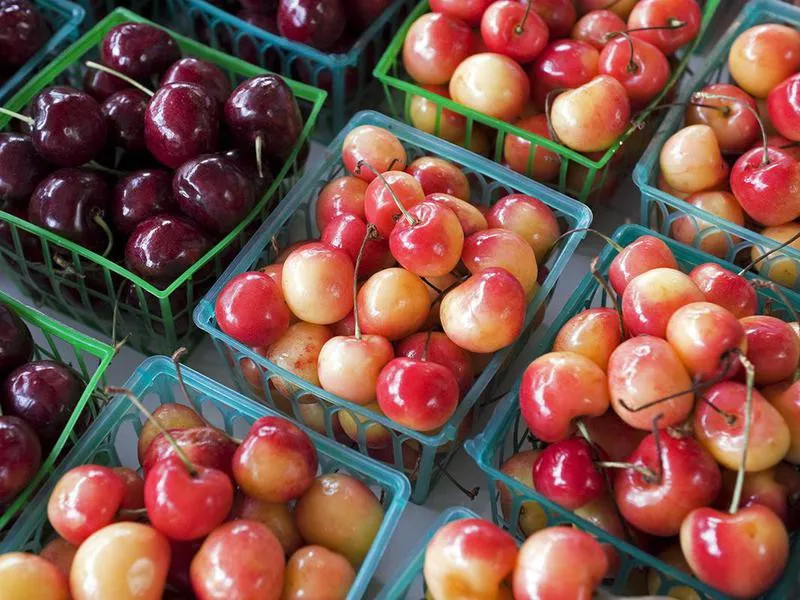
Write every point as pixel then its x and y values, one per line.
pixel 208 515
pixel 153 179
pixel 650 426
pixel 341 313
pixel 23 32
pixel 37 398
pixel 737 155
pixel 566 71
pixel 474 558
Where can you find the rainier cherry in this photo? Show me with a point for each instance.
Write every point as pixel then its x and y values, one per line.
pixel 427 239
pixel 375 146
pixel 434 47
pixel 393 303
pixel 492 84
pixel 638 65
pixel 388 196
pixel 691 160
pixel 594 333
pixel 251 309
pixel 565 473
pixel 726 289
pixel 643 254
pixel 735 126
pixel 763 56
pixel 651 299
pixel 529 218
pixel 502 248
pixel 670 25
pixel 512 28
pixel 439 176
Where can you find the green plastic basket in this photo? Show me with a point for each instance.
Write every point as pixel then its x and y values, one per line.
pixel 579 176
pixel 660 210
pixel 86 287
pixel 112 441
pixel 294 220
pixel 89 358
pixel 506 434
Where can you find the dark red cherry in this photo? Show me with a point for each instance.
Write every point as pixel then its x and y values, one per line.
pixel 259 6
pixel 20 456
pixel 318 23
pixel 250 49
pixel 200 72
pixel 162 247
pixel 139 196
pixel 181 122
pixel 139 50
pixel 44 394
pixel 68 201
pixel 23 32
pixel 246 161
pixel 69 128
pixel 21 169
pixel 16 342
pixel 124 111
pixel 213 191
pixel 100 84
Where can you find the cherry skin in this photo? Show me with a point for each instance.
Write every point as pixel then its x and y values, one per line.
pixel 545 164
pixel 69 128
pixel 240 559
pixel 124 112
pixel 84 500
pixel 434 47
pixel 251 309
pixel 782 108
pixel 643 254
pixel 140 195
pixel 181 123
pixel 726 289
pixel 690 479
pixel 593 27
pixel 340 196
pixel 593 333
pixel 349 366
pixel 771 347
pixel 774 170
pixel 615 437
pixel 759 488
pixel 491 83
pixel 486 312
pixel 427 240
pixel 203 446
pixel 532 517
pixel 558 387
pixel 695 232
pixel 492 248
pixel 380 206
pixel 21 456
pixel 741 554
pixel 23 32
pixel 297 351
pixel 16 341
pixel 318 24
pixel 393 303
pixel 691 160
pixel 134 490
pixel 657 13
pixel 643 369
pixel 788 405
pixel 437 347
pixel 764 56
pixel 21 169
pixel 487 557
pixel 528 217
pixel 276 462
pixel 186 505
pixel 278 517
pixel 507 29
pixel 368 150
pixel 315 571
pixel 558 15
pixel 417 394
pixel 440 176
pixel 469 216
pixel 469 11
pixel 200 72
pixel 638 65
pixel 346 232
pixel 736 127
pixel 30 576
pixel 725 440
pixel 559 562
pixel 138 50
pixel 565 474
pixel 562 64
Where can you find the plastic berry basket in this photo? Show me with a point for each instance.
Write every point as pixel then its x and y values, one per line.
pixel 294 220
pixel 507 434
pixel 64 19
pixel 86 285
pixel 347 77
pixel 112 439
pixel 660 210
pixel 579 176
pixel 87 357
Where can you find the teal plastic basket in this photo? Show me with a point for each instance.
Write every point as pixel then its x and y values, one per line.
pixel 347 77
pixel 506 434
pixel 113 438
pixel 660 210
pixel 294 220
pixel 64 19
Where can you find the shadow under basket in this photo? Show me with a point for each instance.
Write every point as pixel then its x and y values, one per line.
pixel 89 359
pixel 112 441
pixel 507 434
pixel 421 456
pixel 85 285
pixel 661 211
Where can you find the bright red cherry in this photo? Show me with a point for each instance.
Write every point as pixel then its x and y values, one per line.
pixel 427 239
pixel 562 64
pixel 771 347
pixel 469 11
pixel 347 232
pixel 340 196
pixel 639 66
pixel 680 20
pixel 511 28
pixel 565 473
pixel 766 182
pixel 251 309
pixel 434 46
pixel 383 196
pixel 595 26
pixel 783 104
pixel 726 289
pixel 437 347
pixel 644 254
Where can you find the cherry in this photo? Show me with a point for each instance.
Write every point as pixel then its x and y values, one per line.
pixel 565 474
pixel 671 476
pixel 563 64
pixel 643 254
pixel 492 84
pixel 138 50
pixel 593 333
pixel 276 462
pixel 650 300
pixel 16 342
pixel 427 239
pixel 694 232
pixel 638 65
pixel 417 394
pixel 440 176
pixel 368 150
pixel 558 387
pixel 772 169
pixel 509 28
pixel 181 123
pixel 133 500
pixel 20 456
pixel 27 575
pixel 759 488
pixel 615 437
pixel 502 248
pixel 669 25
pixel 124 111
pixel 438 348
pixel 595 26
pixel 735 127
pixel 23 32
pixel 162 247
pixel 435 45
pixel 297 351
pixel 200 72
pixel 531 514
pixel 393 303
pixel 642 370
pixel 171 416
pixel 139 196
pixel 346 232
pixel 469 216
pixel 528 217
pixel 343 195
pixel 315 571
pixel 21 169
pixel 318 24
pixel 486 312
pixel 85 500
pixel 278 517
pixel 771 347
pixel 60 553
pixel 558 15
pixel 517 151
pixel 787 403
pixel 204 446
pixel 101 84
pixel 764 56
pixel 388 196
pixel 487 557
pixel 691 160
pixel 728 290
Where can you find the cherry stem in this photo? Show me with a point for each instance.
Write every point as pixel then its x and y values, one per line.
pixel 753 263
pixel 371 234
pixel 176 360
pixel 659 447
pixel 135 513
pixel 98 219
pixel 753 111
pixel 362 163
pixel 607 239
pixel 93 65
pixel 648 474
pixel 598 277
pixel 138 404
pixel 632 66
pixel 67 269
pixel 520 28
pixel 471 494
pixel 748 423
pixel 776 289
pixel 672 23
pixel 16 115
pixel 259 144
pixel 427 342
pixel 729 418
pixel 430 285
